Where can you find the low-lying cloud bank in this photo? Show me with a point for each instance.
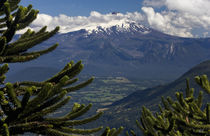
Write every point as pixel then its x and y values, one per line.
pixel 176 17
pixel 69 24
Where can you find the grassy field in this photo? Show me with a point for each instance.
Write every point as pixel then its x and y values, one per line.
pixel 106 90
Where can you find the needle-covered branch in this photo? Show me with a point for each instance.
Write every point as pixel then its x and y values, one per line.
pixel 183 117
pixel 16 18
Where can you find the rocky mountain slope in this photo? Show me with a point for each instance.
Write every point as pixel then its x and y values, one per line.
pixel 130 50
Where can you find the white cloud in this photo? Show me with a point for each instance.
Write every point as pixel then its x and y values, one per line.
pixel 163 22
pixel 69 24
pixel 180 16
pixel 194 7
pixel 176 17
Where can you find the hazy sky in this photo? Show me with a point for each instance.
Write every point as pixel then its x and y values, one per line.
pixel 186 18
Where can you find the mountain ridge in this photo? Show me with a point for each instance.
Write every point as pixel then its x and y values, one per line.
pixel 131 53
pixel 127 110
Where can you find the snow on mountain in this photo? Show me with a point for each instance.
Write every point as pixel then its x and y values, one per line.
pixel 120 27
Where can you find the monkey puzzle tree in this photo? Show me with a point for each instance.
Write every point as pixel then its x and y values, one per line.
pixel 183 117
pixel 25 105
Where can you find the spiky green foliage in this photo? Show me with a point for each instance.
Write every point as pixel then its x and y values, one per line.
pixel 25 106
pixel 112 132
pixel 16 18
pixel 183 117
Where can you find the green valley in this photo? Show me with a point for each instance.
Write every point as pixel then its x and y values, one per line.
pixel 106 90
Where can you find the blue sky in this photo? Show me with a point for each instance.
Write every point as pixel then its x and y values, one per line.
pixel 83 7
pixel 185 18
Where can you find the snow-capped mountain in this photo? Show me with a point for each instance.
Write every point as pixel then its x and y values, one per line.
pixel 127 49
pixel 128 27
